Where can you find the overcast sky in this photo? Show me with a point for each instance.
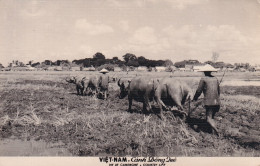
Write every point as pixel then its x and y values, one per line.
pixel 155 29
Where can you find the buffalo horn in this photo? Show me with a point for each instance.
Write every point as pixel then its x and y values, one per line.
pixel 118 82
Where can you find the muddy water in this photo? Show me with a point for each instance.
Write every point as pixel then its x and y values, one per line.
pixel 14 147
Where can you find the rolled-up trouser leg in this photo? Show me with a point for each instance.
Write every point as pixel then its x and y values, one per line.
pixel 210 113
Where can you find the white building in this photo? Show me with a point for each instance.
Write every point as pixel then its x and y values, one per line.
pixel 197 68
pixel 160 68
pixel 141 68
pixel 75 68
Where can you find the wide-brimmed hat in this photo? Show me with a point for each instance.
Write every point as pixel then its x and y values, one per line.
pixel 104 71
pixel 207 67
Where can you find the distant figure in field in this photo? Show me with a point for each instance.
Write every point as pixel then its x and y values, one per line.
pixel 209 85
pixel 103 83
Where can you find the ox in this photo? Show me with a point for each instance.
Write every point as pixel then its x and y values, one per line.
pixel 172 92
pixel 91 86
pixel 141 89
pixel 79 82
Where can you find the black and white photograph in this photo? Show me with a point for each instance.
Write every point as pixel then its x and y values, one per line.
pixel 139 81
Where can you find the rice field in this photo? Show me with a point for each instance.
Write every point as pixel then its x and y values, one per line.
pixel 41 113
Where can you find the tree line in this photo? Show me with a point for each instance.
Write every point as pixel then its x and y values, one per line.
pixel 99 60
pixel 129 59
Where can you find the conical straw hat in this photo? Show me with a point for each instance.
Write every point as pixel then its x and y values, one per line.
pixel 104 71
pixel 207 67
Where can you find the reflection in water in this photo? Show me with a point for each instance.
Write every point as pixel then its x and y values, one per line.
pixel 14 147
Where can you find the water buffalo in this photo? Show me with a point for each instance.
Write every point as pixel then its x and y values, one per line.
pixel 91 86
pixel 172 92
pixel 79 82
pixel 140 89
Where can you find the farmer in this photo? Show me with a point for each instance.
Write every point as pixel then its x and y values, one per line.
pixel 103 83
pixel 209 85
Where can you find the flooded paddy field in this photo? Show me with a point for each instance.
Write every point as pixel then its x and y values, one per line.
pixel 41 115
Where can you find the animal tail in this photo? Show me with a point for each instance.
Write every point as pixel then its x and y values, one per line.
pixel 189 96
pixel 181 87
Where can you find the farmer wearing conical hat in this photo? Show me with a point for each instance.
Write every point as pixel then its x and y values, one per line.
pixel 209 85
pixel 103 83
